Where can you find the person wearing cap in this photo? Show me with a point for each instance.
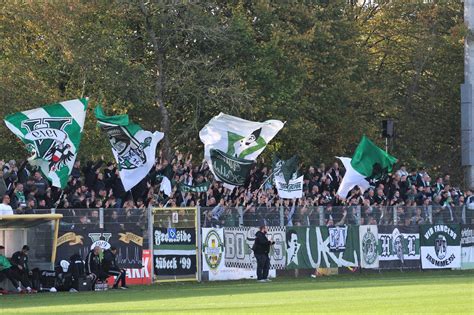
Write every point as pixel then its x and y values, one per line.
pixel 7 270
pixel 110 266
pixel 20 264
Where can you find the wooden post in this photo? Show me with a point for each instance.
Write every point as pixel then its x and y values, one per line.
pixel 55 241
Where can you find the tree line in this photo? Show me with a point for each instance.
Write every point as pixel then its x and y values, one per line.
pixel 332 70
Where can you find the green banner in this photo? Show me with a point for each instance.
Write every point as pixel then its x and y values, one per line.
pixel 440 246
pixel 322 247
pixel 197 188
pixel 229 169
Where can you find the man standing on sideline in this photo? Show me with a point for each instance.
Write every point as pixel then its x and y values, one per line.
pixel 111 267
pixel 261 249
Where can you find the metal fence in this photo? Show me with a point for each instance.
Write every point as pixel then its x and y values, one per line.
pixel 333 215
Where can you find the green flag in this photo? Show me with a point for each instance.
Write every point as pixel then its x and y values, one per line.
pixel 285 168
pixel 371 161
pixel 52 134
pixel 368 162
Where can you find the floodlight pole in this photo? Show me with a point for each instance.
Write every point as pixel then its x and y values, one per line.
pixel 467 105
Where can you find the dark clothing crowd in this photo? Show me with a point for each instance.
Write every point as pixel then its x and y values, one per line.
pixel 402 197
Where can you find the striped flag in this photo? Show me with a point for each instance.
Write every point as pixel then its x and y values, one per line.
pixel 52 135
pixel 133 148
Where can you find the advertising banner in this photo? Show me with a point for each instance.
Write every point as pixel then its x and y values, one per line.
pixel 80 241
pixel 138 276
pixel 440 246
pixel 467 246
pixel 213 257
pixel 238 247
pixel 399 247
pixel 322 247
pixel 174 251
pixel 368 235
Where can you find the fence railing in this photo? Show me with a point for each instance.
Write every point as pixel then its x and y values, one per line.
pixel 332 215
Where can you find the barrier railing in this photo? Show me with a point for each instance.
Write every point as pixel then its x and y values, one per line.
pixel 132 231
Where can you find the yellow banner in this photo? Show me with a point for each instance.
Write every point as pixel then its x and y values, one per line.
pixel 70 237
pixel 130 237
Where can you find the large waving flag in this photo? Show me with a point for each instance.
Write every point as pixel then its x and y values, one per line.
pixel 52 134
pixel 368 162
pixel 134 149
pixel 232 144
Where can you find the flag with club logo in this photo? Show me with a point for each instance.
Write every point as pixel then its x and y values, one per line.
pixel 232 144
pixel 286 179
pixel 368 163
pixel 52 135
pixel 134 149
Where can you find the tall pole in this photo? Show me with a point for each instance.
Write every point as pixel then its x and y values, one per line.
pixel 467 112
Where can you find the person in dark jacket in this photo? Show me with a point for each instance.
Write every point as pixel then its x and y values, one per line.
pixel 93 266
pixel 110 266
pixel 20 265
pixel 261 249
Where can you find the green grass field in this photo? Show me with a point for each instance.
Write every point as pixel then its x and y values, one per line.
pixel 448 292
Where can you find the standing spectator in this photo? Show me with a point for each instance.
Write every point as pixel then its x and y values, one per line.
pixel 261 249
pixel 41 184
pixel 5 208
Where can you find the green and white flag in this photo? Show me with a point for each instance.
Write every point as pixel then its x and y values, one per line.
pixel 232 144
pixel 134 149
pixel 285 175
pixel 52 134
pixel 368 162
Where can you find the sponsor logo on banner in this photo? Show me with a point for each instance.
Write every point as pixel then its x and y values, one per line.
pixel 368 244
pixel 440 246
pixel 138 276
pixel 100 239
pixel 467 246
pixel 216 266
pixel 337 238
pixel 213 248
pixel 176 236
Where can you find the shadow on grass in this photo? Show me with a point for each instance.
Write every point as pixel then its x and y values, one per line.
pixel 212 289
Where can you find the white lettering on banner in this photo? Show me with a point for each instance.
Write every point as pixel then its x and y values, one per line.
pixel 429 233
pixel 163 263
pixel 445 229
pixel 136 273
pixel 440 263
pixel 467 236
pixel 181 236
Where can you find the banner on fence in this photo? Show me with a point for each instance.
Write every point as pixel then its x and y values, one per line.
pixel 440 246
pixel 467 246
pixel 238 247
pixel 213 257
pixel 368 235
pixel 399 247
pixel 138 276
pixel 129 244
pixel 322 247
pixel 174 251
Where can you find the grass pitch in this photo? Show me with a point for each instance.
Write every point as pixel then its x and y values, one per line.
pixel 447 292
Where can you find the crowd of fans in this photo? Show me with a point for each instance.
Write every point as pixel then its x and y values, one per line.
pixel 403 197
